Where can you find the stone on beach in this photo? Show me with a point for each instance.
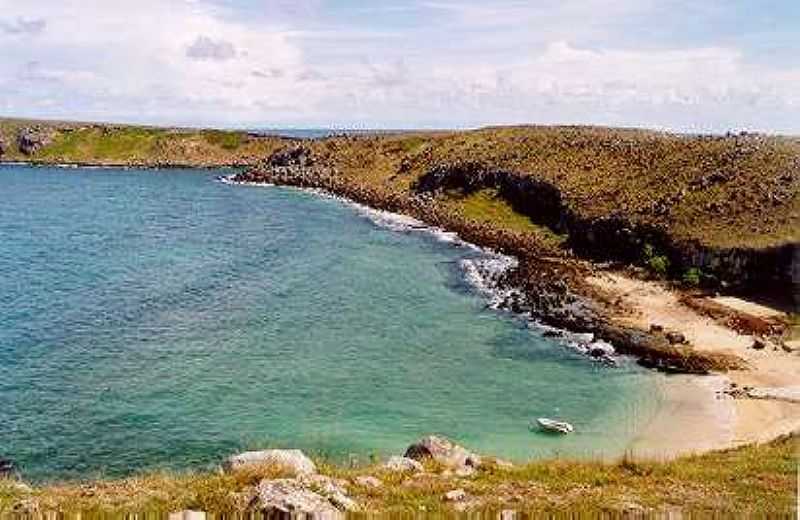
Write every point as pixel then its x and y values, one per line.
pixel 295 460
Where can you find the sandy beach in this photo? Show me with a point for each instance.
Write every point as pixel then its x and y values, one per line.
pixel 696 414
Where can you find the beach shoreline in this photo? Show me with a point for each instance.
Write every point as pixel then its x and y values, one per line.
pixel 719 420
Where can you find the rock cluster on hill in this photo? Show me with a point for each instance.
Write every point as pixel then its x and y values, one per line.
pixel 309 493
pixel 31 139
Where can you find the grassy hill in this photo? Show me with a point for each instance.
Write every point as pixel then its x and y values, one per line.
pixel 131 145
pixel 702 201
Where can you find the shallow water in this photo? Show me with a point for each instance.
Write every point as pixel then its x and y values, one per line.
pixel 159 319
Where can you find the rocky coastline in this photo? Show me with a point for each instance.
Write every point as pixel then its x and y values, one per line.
pixel 546 285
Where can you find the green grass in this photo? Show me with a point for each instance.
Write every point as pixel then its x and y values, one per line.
pixel 226 140
pixel 487 206
pixel 95 144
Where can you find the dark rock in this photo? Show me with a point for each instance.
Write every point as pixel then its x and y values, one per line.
pixel 297 156
pixel 597 352
pixel 676 338
pixel 31 139
pixel 656 328
pixel 759 344
pixel 7 468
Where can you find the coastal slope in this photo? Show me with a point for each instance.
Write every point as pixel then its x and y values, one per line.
pixel 619 232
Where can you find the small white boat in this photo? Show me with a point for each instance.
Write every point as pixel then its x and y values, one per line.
pixel 551 425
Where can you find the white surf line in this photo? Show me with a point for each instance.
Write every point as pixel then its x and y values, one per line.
pixel 477 272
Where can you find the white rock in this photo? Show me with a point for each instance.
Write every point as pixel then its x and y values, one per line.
pixel 295 460
pixel 456 495
pixel 187 515
pixel 290 496
pixel 332 489
pixel 368 481
pixel 403 464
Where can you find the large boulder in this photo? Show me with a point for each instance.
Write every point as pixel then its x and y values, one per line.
pixel 294 460
pixel 290 497
pixel 444 452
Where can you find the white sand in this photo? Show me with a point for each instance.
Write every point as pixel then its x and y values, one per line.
pixel 692 418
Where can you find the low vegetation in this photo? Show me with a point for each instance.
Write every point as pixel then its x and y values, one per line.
pixel 749 479
pixel 489 207
pixel 733 191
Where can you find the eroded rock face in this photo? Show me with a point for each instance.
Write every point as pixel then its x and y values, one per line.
pixel 444 452
pixel 32 139
pixel 295 460
pixel 297 156
pixel 3 146
pixel 288 496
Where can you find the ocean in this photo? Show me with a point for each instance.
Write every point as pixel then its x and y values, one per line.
pixel 160 319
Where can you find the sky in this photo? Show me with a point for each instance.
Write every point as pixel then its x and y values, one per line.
pixel 683 65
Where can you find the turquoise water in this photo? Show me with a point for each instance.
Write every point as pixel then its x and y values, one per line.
pixel 159 319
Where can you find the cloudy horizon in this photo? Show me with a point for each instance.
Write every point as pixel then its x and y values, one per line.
pixel 675 65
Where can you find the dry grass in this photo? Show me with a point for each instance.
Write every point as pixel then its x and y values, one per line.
pixel 750 479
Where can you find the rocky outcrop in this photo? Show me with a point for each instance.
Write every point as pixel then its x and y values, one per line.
pixel 444 452
pixel 294 460
pixel 545 285
pixel 290 497
pixel 3 146
pixel 32 139
pixel 298 156
pixel 619 238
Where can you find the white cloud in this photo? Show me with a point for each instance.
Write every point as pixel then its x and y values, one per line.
pixel 204 48
pixel 193 62
pixel 23 26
